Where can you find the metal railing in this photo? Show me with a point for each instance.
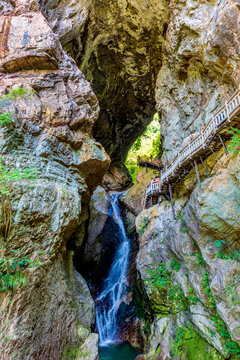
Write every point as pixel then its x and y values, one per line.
pixel 222 116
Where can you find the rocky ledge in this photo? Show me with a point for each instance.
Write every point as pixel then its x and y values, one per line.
pixel 52 315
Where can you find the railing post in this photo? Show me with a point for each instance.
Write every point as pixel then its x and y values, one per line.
pixel 214 153
pixel 228 117
pixel 204 166
pixel 197 173
pixel 171 198
pixel 223 144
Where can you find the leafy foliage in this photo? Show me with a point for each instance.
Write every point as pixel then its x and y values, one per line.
pixel 175 265
pixel 230 255
pixel 232 347
pixel 183 228
pixel 143 225
pixel 234 145
pixel 6 117
pixel 199 259
pixel 187 344
pixel 159 278
pixel 11 271
pixel 11 268
pixel 9 175
pixel 147 145
pixel 219 243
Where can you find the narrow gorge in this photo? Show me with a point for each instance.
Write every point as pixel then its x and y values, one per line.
pixel 119 179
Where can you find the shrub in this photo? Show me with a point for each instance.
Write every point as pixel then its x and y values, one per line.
pixel 234 145
pixel 175 265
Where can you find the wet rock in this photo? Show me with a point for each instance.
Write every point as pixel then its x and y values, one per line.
pixel 89 349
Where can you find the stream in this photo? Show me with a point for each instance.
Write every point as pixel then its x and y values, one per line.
pixel 108 302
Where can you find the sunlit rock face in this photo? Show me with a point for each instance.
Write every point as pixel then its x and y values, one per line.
pixel 200 68
pixel 181 56
pixel 118 45
pixel 53 313
pixel 209 213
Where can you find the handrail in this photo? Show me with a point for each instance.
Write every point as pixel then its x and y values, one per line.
pixel 220 115
pixel 218 120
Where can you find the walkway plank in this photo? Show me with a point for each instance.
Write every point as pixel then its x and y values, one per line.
pixel 210 138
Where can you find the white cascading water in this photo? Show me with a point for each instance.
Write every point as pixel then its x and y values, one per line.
pixel 114 286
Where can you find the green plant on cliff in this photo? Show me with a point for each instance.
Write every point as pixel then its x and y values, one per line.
pixel 161 279
pixel 183 227
pixel 146 145
pixel 10 176
pixel 199 259
pixel 143 224
pixel 11 270
pixel 229 254
pixel 231 346
pixel 188 345
pixel 175 265
pixel 7 117
pixel 234 145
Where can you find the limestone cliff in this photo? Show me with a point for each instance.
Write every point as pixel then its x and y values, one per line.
pixel 118 45
pixel 187 246
pixel 52 315
pixel 181 56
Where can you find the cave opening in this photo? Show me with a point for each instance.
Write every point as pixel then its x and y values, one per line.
pixel 146 146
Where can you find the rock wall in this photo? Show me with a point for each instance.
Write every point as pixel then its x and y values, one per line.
pixel 181 56
pixel 188 248
pixel 51 316
pixel 199 71
pixel 200 67
pixel 118 45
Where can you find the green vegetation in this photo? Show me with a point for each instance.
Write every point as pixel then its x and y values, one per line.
pixel 231 346
pixel 69 352
pixel 199 259
pixel 234 145
pixel 11 268
pixel 190 346
pixel 183 226
pixel 146 145
pixel 143 225
pixel 231 293
pixel 230 255
pixel 175 265
pixel 160 279
pixel 7 117
pixel 9 177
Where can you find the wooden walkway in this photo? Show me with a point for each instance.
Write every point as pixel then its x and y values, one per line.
pixel 155 164
pixel 211 138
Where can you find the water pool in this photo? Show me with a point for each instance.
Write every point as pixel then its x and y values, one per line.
pixel 122 351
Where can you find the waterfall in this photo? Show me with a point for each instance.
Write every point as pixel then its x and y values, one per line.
pixel 114 286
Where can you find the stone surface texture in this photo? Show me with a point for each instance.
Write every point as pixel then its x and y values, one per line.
pixel 183 58
pixel 51 131
pixel 209 213
pixel 118 45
